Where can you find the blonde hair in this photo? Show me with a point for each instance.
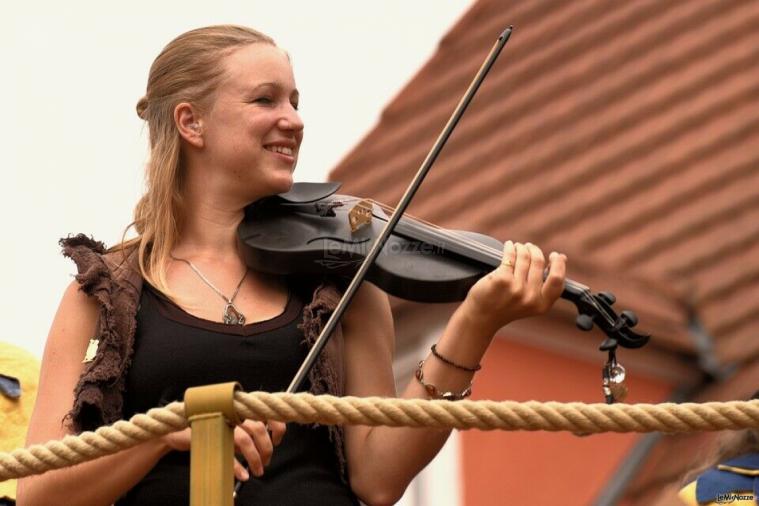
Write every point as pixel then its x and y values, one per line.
pixel 188 69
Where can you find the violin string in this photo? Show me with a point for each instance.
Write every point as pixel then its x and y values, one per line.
pixel 442 233
pixel 494 253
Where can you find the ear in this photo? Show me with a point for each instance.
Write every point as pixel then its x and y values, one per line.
pixel 189 124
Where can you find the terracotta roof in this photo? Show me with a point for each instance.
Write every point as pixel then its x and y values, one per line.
pixel 624 135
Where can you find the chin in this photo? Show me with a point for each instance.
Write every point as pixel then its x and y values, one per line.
pixel 281 182
pixel 286 181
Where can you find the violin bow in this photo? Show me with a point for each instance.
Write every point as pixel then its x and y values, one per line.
pixel 363 269
pixel 371 256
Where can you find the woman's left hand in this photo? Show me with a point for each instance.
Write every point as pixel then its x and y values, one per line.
pixel 516 289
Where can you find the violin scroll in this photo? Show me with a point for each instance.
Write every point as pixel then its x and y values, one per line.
pixel 596 310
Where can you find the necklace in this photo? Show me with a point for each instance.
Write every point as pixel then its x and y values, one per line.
pixel 231 315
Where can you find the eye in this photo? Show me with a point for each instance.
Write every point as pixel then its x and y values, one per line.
pixel 295 105
pixel 264 100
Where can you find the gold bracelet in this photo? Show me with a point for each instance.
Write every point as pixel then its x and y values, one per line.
pixel 433 391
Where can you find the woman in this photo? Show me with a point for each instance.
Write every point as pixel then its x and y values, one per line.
pixel 221 107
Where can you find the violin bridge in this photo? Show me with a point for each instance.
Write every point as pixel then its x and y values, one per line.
pixel 360 215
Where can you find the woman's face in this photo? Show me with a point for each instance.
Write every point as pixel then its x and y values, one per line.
pixel 252 131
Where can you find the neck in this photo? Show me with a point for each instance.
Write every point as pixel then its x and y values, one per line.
pixel 209 225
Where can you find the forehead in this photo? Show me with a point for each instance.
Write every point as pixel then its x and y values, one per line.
pixel 254 64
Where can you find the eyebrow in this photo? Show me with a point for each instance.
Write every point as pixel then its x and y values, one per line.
pixel 274 84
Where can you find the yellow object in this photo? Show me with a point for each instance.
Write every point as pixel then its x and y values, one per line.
pixel 15 413
pixel 211 412
pixel 687 494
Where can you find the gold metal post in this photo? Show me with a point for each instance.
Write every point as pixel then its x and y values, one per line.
pixel 210 410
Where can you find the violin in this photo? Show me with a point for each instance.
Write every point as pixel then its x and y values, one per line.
pixel 313 230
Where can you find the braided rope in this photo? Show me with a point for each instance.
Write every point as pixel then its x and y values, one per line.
pixel 325 409
pixel 87 446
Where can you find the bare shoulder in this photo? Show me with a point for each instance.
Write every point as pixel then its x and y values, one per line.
pixel 76 306
pixel 74 322
pixel 74 325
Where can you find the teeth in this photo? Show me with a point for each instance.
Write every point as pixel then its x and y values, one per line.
pixel 281 149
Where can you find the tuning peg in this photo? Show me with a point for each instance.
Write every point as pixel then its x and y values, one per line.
pixel 630 317
pixel 584 322
pixel 608 297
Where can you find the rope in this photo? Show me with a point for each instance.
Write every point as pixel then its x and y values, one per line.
pixel 576 417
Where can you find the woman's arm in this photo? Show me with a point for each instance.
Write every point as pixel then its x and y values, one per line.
pixel 382 461
pixel 93 483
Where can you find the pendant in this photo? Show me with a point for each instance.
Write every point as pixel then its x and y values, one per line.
pixel 232 316
pixel 616 384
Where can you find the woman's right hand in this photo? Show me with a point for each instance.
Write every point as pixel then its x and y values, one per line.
pixel 252 440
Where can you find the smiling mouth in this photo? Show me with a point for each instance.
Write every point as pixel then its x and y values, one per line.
pixel 280 149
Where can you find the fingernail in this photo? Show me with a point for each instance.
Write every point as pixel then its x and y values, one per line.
pixel 245 475
pixel 259 472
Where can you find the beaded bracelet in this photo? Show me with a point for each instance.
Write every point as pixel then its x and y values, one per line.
pixel 454 364
pixel 433 391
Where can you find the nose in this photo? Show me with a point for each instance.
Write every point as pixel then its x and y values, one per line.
pixel 290 120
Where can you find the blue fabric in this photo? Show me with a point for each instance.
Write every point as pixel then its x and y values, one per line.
pixel 716 482
pixel 749 461
pixel 10 386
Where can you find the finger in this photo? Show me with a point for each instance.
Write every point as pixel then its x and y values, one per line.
pixel 522 264
pixel 276 431
pixel 537 265
pixel 179 440
pixel 261 438
pixel 240 472
pixel 554 282
pixel 508 259
pixel 245 444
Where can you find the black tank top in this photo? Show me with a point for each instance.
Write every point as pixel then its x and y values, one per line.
pixel 175 350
